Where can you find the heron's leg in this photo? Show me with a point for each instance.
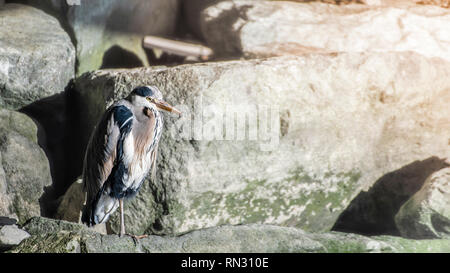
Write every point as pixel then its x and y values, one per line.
pixel 122 222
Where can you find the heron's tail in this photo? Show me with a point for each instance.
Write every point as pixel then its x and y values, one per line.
pixel 99 210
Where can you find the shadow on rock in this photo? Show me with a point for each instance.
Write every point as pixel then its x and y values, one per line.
pixel 6 221
pixel 58 135
pixel 164 59
pixel 117 57
pixel 373 212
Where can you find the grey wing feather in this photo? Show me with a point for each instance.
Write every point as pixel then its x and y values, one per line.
pixel 100 155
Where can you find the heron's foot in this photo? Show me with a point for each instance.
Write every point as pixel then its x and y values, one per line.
pixel 137 237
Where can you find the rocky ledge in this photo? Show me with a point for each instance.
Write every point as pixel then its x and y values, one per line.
pixel 56 236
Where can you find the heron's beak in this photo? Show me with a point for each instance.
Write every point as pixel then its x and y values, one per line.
pixel 165 106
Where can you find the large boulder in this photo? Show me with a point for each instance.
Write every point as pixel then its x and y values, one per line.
pixel 373 212
pixel 57 135
pixel 71 206
pixel 51 236
pixel 71 203
pixel 329 126
pixel 37 57
pixel 109 33
pixel 265 28
pixel 24 168
pixel 427 213
pixel 441 3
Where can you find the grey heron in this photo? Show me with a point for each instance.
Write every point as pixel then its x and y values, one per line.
pixel 121 152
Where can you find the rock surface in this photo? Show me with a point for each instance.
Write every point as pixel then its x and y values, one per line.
pixel 427 213
pixel 24 168
pixel 72 203
pixel 340 122
pixel 71 206
pixel 252 28
pixel 37 58
pixel 50 236
pixel 11 236
pixel 373 212
pixel 441 3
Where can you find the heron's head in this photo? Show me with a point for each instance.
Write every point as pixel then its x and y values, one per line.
pixel 150 96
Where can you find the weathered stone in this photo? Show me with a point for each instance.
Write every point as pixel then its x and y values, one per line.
pixel 337 242
pixel 249 28
pixel 340 122
pixel 404 245
pixel 395 3
pixel 367 2
pixel 236 239
pixel 11 236
pixel 372 212
pixel 335 2
pixel 61 242
pixel 37 58
pixel 192 10
pixel 427 213
pixel 252 238
pixel 58 137
pixel 24 168
pixel 41 225
pixel 72 203
pixel 71 206
pixel 442 3
pixel 60 236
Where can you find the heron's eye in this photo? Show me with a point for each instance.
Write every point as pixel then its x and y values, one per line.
pixel 150 99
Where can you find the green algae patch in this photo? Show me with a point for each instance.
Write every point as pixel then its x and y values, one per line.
pixel 404 245
pixel 301 199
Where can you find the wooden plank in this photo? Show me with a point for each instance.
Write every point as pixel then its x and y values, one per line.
pixel 178 47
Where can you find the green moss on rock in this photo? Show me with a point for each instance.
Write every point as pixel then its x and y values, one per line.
pixel 300 200
pixel 41 225
pixel 60 242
